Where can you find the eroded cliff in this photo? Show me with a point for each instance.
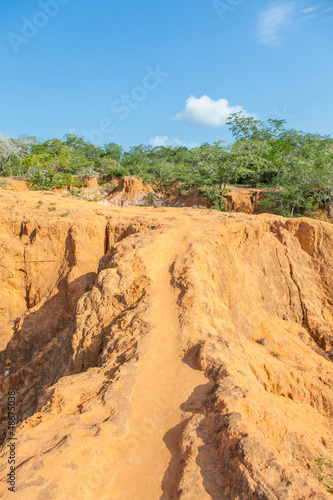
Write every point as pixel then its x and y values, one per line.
pixel 165 353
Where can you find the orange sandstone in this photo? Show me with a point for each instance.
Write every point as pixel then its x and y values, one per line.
pixel 131 340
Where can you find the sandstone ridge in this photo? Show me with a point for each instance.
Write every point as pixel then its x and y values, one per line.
pixel 164 353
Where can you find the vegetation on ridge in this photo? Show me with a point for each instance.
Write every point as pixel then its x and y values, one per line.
pixel 296 167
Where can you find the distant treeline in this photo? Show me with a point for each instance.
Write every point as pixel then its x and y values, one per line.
pixel 297 168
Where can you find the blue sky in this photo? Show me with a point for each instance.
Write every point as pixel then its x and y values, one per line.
pixel 163 72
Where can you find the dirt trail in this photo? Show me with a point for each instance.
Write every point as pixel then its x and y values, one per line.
pixel 163 383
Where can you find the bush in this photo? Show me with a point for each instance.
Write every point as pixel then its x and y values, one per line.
pixel 50 180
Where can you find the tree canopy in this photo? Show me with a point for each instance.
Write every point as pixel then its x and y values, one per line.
pixel 295 167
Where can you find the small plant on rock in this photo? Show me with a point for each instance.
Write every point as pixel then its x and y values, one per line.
pixel 325 475
pixel 150 199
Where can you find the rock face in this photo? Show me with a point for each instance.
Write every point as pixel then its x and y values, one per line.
pixel 90 182
pixel 165 353
pixel 130 191
pixel 240 199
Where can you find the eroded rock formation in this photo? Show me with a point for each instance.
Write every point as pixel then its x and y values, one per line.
pixel 165 353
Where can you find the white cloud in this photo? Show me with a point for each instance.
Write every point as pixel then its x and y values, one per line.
pixel 310 9
pixel 311 16
pixel 273 21
pixel 173 141
pixel 160 140
pixel 205 111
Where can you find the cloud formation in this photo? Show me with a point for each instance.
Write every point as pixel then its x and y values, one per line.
pixel 310 9
pixel 280 17
pixel 173 141
pixel 207 112
pixel 274 21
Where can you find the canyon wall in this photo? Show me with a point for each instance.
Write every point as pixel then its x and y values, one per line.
pixel 164 353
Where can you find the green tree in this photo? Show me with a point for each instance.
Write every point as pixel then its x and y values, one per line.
pixel 306 180
pixel 90 151
pixel 245 127
pixel 57 156
pixel 113 151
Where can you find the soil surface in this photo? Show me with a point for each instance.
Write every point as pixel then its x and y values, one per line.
pixel 164 353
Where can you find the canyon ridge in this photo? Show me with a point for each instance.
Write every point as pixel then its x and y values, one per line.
pixel 164 353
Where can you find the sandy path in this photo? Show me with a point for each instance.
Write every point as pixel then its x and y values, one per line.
pixel 163 383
